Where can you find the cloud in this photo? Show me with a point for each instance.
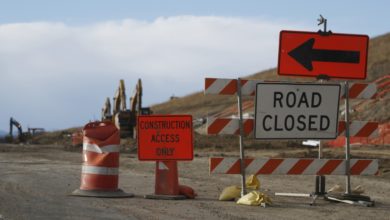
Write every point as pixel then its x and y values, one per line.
pixel 54 75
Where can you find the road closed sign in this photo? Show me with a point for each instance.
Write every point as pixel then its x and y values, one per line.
pixel 296 111
pixel 165 137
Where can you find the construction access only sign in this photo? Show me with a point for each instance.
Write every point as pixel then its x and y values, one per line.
pixel 313 54
pixel 165 137
pixel 296 111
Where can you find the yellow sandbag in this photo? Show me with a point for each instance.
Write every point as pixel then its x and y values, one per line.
pixel 336 189
pixel 252 182
pixel 358 190
pixel 339 189
pixel 254 198
pixel 230 193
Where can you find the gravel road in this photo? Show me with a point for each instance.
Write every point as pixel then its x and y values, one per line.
pixel 36 181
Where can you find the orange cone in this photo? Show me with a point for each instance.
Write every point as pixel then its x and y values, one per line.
pixel 100 169
pixel 167 182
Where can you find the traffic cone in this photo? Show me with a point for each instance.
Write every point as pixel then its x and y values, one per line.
pixel 167 181
pixel 100 169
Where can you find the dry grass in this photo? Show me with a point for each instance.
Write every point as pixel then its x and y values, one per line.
pixel 63 137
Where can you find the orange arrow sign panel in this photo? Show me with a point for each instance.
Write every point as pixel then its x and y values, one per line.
pixel 313 54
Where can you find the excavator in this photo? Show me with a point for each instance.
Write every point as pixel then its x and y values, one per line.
pixel 12 123
pixel 22 136
pixel 106 110
pixel 125 119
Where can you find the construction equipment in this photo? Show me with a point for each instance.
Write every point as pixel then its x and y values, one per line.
pixel 120 98
pixel 106 110
pixel 22 136
pixel 125 119
pixel 136 99
pixel 122 117
pixel 35 131
pixel 137 96
pixel 13 122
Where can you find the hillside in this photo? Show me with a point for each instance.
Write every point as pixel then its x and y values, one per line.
pixel 378 66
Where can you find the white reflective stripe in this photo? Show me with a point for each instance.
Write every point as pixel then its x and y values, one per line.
pixel 285 166
pixel 368 92
pixel 162 166
pixel 374 134
pixel 105 149
pixel 217 86
pixel 314 167
pixel 225 165
pixel 340 169
pixel 230 127
pixel 249 87
pixel 355 127
pixel 371 169
pixel 256 165
pixel 99 170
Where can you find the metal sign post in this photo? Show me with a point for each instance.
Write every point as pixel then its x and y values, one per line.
pixel 320 179
pixel 347 145
pixel 242 156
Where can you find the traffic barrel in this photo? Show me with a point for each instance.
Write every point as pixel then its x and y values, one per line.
pixel 100 168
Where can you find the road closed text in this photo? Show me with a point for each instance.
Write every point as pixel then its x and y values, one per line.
pixel 296 110
pixel 300 122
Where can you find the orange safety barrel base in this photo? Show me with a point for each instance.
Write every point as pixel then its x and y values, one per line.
pixel 100 168
pixel 118 193
pixel 167 182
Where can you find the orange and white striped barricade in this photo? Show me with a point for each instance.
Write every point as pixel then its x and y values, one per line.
pixel 217 86
pixel 299 166
pixel 245 126
pixel 293 166
pixel 220 126
pixel 100 168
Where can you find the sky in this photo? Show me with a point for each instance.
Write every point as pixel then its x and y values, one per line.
pixel 59 60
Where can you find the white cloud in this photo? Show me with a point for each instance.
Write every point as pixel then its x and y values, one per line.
pixel 54 75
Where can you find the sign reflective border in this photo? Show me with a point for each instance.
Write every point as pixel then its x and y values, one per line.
pixel 165 137
pixel 296 111
pixel 313 54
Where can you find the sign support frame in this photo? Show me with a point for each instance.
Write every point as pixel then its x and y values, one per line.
pixel 347 138
pixel 348 197
pixel 320 180
pixel 241 136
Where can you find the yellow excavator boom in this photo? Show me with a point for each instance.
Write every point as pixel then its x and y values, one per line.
pixel 120 98
pixel 106 110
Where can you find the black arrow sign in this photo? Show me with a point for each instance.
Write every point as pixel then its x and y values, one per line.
pixel 305 55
